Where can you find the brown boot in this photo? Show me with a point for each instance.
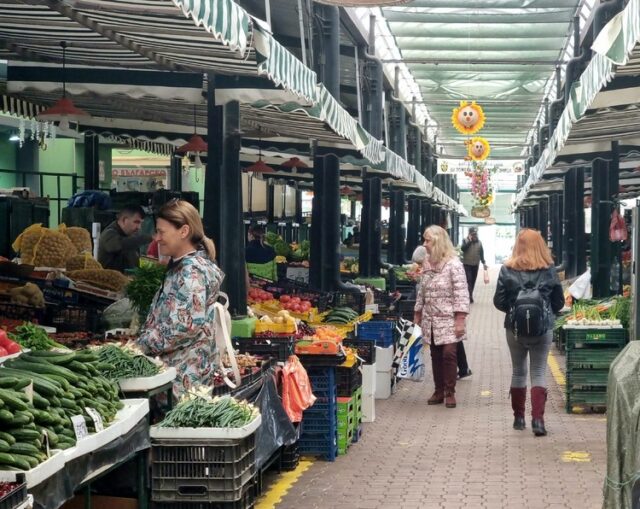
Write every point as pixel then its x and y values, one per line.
pixel 518 400
pixel 450 374
pixel 538 401
pixel 436 365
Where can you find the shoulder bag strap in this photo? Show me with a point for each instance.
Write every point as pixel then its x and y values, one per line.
pixel 223 342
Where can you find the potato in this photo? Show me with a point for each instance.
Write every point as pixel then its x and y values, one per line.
pixel 102 278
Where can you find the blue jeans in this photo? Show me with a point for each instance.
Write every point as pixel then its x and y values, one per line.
pixel 537 348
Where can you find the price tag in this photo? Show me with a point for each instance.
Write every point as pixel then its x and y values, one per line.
pixel 79 427
pixel 372 307
pixel 28 390
pixel 96 417
pixel 46 443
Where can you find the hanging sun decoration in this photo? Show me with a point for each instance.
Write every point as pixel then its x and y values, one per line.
pixel 478 149
pixel 468 118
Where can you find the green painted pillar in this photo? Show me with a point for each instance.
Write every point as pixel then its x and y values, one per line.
pixel 601 254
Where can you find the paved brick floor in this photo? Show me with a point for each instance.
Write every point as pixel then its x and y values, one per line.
pixel 415 456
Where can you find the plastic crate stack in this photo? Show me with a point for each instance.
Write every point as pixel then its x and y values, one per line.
pixel 319 423
pixel 349 404
pixel 196 473
pixel 383 332
pixel 590 352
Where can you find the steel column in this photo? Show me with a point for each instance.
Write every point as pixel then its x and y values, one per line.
pixel 91 161
pixel 176 172
pixel 600 218
pixel 316 256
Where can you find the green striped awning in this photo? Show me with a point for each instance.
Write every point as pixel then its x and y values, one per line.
pixel 224 19
pixel 613 46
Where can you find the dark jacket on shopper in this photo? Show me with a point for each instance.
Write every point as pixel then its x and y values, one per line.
pixel 509 284
pixel 472 252
pixel 118 251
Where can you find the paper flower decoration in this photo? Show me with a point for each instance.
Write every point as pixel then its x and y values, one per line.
pixel 478 149
pixel 468 118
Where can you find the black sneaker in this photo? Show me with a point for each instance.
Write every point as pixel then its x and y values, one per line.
pixel 466 375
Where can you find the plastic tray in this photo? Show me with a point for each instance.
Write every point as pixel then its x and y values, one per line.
pixel 149 382
pixel 197 433
pixel 38 474
pixel 134 410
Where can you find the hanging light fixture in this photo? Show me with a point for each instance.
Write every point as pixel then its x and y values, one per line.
pixel 294 162
pixel 196 145
pixel 259 166
pixel 63 110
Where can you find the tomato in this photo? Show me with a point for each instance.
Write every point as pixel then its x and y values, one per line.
pixel 306 304
pixel 12 348
pixel 295 300
pixel 3 352
pixel 4 339
pixel 284 299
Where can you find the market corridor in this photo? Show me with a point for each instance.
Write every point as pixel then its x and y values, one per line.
pixel 415 456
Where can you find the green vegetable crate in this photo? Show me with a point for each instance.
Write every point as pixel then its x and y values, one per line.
pixel 589 353
pixel 349 420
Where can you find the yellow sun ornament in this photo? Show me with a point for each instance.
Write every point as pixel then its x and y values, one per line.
pixel 468 118
pixel 478 149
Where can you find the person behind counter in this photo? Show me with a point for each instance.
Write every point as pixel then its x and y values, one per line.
pixel 120 242
pixel 260 257
pixel 180 325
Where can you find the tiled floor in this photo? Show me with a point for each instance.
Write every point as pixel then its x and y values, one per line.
pixel 420 457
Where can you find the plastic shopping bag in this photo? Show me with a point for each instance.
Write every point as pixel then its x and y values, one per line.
pixel 408 357
pixel 297 395
pixel 486 277
pixel 617 227
pixel 581 288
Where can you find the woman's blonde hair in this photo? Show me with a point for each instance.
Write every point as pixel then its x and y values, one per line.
pixel 180 213
pixel 442 248
pixel 530 252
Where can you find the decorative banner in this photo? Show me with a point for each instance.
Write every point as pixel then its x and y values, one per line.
pixel 460 166
pixel 468 118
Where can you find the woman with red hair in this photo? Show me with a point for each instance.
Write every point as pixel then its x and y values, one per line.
pixel 530 269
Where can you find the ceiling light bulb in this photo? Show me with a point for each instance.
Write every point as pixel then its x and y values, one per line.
pixel 64 123
pixel 14 137
pixel 198 163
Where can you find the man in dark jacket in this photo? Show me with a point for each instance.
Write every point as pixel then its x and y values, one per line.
pixel 120 242
pixel 472 255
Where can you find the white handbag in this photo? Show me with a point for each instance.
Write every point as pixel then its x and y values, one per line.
pixel 222 330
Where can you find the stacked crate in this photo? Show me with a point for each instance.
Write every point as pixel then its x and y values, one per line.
pixel 319 422
pixel 590 352
pixel 345 424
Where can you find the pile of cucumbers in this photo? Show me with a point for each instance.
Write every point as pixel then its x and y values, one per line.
pixel 64 384
pixel 341 316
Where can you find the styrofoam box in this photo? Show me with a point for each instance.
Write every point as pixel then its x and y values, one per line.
pixel 368 407
pixel 148 383
pixel 133 411
pixel 179 433
pixel 383 384
pixel 38 474
pixel 384 358
pixel 369 378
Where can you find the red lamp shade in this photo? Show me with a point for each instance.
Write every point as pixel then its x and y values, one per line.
pixel 346 191
pixel 259 167
pixel 195 144
pixel 294 162
pixel 63 107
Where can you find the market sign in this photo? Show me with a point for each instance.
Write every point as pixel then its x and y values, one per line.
pixel 139 172
pixel 461 166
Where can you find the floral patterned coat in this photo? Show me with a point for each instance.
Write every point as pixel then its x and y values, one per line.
pixel 180 326
pixel 442 292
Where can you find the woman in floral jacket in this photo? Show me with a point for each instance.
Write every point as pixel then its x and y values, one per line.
pixel 442 305
pixel 180 325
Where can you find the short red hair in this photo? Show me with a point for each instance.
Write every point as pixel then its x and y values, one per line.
pixel 530 252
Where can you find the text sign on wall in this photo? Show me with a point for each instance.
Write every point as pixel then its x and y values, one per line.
pixel 460 166
pixel 139 172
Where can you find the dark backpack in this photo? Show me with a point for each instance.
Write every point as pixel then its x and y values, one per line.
pixel 529 314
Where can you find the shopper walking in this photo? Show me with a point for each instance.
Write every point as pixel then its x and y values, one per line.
pixel 472 255
pixel 442 305
pixel 528 283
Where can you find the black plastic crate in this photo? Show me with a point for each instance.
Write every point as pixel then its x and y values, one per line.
pixel 247 501
pixel 355 301
pixel 17 496
pixel 279 348
pixel 20 312
pixel 348 380
pixel 207 470
pixel 289 457
pixel 73 318
pixel 366 349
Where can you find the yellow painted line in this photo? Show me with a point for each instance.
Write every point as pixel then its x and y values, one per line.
pixel 576 457
pixel 556 372
pixel 279 489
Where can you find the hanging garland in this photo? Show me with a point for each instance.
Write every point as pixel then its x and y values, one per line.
pixel 481 185
pixel 468 118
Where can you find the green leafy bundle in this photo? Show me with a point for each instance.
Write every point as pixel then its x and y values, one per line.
pixel 147 280
pixel 202 412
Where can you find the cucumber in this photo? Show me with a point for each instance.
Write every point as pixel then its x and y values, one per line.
pixel 68 403
pixel 12 400
pixel 55 358
pixel 42 384
pixel 21 384
pixel 45 418
pixel 44 368
pixel 32 461
pixel 53 437
pixel 6 417
pixel 12 461
pixel 7 437
pixel 4 446
pixel 8 382
pixel 79 367
pixel 21 419
pixel 40 402
pixel 24 448
pixel 25 435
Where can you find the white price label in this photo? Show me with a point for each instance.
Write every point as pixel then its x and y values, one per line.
pixel 372 307
pixel 96 417
pixel 46 443
pixel 282 224
pixel 79 427
pixel 28 390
